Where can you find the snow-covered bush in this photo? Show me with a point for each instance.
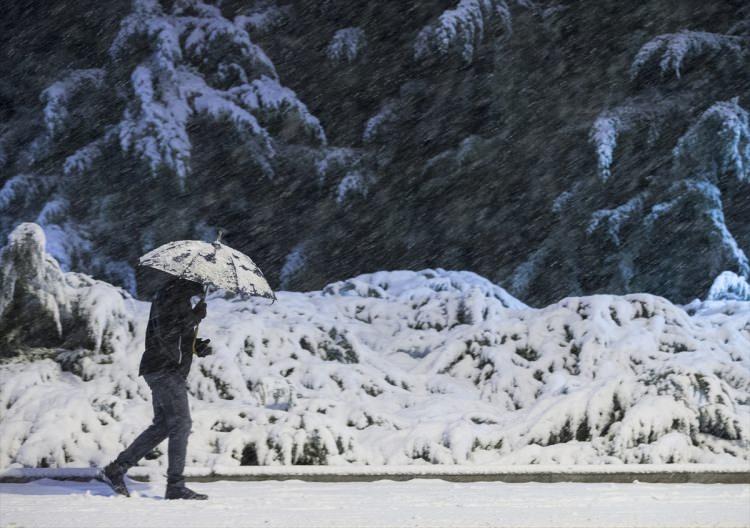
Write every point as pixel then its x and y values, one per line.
pixel 397 368
pixel 42 307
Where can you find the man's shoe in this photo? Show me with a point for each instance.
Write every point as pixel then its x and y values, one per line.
pixel 182 492
pixel 114 475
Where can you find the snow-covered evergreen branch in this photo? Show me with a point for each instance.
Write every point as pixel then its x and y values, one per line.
pixel 611 124
pixel 461 30
pixel 346 45
pixel 615 219
pixel 199 64
pixel 673 49
pixel 717 143
pixel 58 95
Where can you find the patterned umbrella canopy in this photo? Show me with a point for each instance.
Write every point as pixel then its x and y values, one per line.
pixel 211 264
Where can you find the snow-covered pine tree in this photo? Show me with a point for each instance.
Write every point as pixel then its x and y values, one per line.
pixel 680 204
pixel 169 69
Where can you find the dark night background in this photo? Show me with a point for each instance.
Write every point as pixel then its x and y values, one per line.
pixel 482 156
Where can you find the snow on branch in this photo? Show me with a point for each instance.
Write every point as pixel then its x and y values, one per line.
pixel 24 188
pixel 192 47
pixel 294 263
pixel 346 44
pixel 673 49
pixel 460 30
pixel 355 183
pixel 336 160
pixel 148 23
pixel 717 143
pixel 603 135
pixel 729 286
pixel 615 219
pixel 83 159
pixel 611 124
pixel 267 96
pixel 215 33
pixel 154 125
pixel 378 124
pixel 57 96
pixel 262 18
pixel 708 195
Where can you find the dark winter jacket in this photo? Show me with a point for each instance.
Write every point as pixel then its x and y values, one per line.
pixel 169 335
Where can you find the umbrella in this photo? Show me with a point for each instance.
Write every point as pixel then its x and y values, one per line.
pixel 211 264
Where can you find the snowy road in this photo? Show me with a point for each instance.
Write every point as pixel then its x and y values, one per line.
pixel 416 503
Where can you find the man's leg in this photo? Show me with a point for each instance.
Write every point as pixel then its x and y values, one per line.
pixel 174 406
pixel 177 415
pixel 143 444
pixel 153 435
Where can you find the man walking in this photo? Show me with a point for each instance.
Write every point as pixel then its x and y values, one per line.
pixel 170 344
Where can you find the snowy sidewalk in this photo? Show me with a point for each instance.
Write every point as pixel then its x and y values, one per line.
pixel 415 503
pixel 595 473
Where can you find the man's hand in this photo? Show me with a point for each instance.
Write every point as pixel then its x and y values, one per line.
pixel 202 347
pixel 200 310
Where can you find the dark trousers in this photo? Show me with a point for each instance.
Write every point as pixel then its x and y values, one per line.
pixel 171 420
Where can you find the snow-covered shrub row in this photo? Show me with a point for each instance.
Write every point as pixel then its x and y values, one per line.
pixel 386 368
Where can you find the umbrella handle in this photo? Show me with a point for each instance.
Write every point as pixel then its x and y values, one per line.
pixel 195 334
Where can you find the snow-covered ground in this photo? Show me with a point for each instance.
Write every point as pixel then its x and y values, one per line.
pixel 429 367
pixel 416 503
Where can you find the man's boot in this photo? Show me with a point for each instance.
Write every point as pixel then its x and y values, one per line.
pixel 114 474
pixel 183 492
